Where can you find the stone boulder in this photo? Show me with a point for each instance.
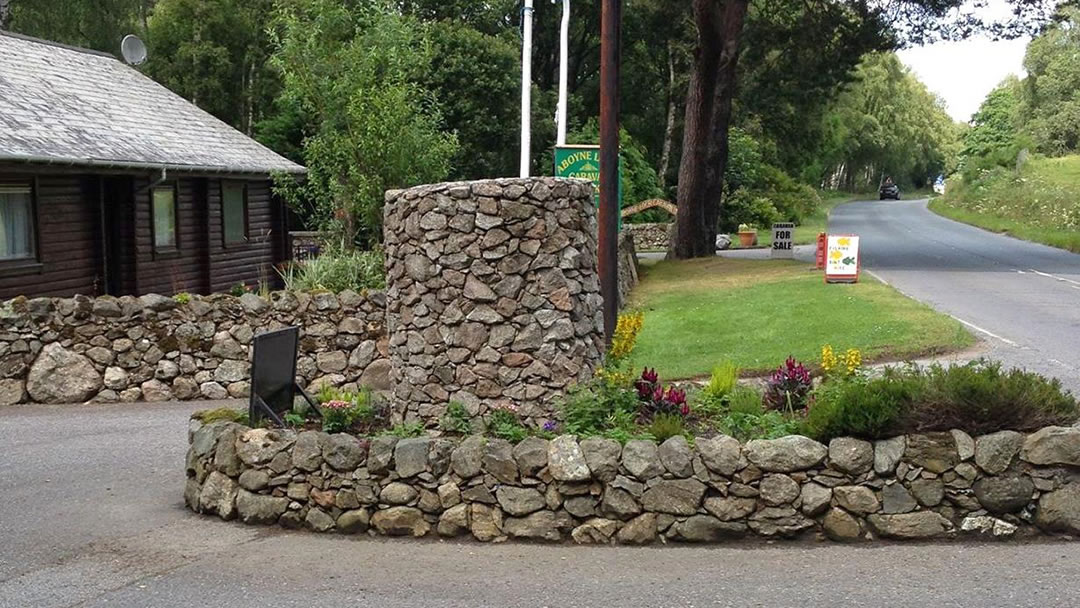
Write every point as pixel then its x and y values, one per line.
pixel 721 454
pixel 921 524
pixel 602 456
pixel 1059 511
pixel 343 452
pixel 400 521
pixel 841 526
pixel 674 496
pixel 61 376
pixel 566 462
pixel 259 509
pixel 639 531
pixel 851 456
pixel 595 531
pixel 12 391
pixel 887 454
pixel 994 453
pixel 1005 494
pixel 935 452
pixel 520 501
pixel 543 525
pixel 641 459
pixel 787 454
pixel 705 528
pixel 676 456
pixel 1052 445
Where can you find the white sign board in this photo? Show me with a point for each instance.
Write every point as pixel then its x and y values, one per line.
pixel 783 235
pixel 842 259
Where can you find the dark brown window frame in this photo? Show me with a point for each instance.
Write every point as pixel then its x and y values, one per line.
pixel 31 264
pixel 225 242
pixel 174 250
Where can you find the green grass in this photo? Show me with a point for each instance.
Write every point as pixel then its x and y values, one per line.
pixel 1042 204
pixel 756 313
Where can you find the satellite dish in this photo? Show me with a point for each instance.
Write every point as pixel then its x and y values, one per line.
pixel 133 49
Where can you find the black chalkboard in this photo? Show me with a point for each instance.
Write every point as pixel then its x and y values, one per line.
pixel 273 375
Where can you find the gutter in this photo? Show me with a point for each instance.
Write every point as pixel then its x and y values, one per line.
pixel 109 164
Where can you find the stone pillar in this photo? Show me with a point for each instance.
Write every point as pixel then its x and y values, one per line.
pixel 492 295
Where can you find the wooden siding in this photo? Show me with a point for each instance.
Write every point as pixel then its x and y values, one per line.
pixel 185 268
pixel 254 261
pixel 68 239
pixel 70 249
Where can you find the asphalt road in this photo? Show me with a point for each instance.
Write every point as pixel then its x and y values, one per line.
pixel 91 515
pixel 1023 298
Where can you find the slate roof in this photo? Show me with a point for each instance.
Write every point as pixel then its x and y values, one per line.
pixel 71 106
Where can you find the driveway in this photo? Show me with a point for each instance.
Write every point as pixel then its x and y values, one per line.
pixel 1023 298
pixel 91 515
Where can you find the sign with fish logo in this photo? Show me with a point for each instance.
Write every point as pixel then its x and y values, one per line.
pixel 842 259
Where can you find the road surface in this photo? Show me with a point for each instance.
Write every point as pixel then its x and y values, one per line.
pixel 91 515
pixel 1023 298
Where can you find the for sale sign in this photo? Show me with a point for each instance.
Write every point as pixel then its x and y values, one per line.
pixel 782 240
pixel 842 259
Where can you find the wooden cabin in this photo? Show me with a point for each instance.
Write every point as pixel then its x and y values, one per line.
pixel 112 184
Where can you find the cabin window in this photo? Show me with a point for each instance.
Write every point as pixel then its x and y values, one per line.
pixel 164 211
pixel 234 212
pixel 16 222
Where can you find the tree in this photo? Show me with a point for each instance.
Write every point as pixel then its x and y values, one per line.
pixel 995 125
pixel 94 24
pixel 475 77
pixel 354 73
pixel 1050 101
pixel 215 53
pixel 712 88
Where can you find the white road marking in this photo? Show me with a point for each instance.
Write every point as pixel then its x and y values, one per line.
pixel 963 322
pixel 986 331
pixel 1055 277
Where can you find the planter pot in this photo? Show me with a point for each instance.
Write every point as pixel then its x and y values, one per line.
pixel 746 239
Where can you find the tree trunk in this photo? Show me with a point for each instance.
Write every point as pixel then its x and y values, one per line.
pixel 669 128
pixel 5 13
pixel 690 220
pixel 731 34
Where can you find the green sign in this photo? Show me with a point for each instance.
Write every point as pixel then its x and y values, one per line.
pixel 583 162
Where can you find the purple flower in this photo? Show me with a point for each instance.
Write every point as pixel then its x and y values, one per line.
pixel 550 426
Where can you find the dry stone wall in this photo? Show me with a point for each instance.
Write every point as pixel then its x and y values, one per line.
pixel 154 348
pixel 650 237
pixel 939 485
pixel 493 297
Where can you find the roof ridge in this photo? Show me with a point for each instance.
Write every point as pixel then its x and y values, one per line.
pixel 60 45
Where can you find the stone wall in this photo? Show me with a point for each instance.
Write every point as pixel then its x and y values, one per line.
pixel 154 348
pixel 650 237
pixel 939 485
pixel 492 295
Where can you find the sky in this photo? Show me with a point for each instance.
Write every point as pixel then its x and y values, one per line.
pixel 962 73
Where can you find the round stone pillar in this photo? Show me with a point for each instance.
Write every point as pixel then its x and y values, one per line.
pixel 493 296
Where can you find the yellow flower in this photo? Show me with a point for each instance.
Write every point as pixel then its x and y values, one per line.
pixel 626 332
pixel 852 361
pixel 828 358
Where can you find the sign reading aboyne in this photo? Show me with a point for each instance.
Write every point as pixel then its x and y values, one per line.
pixel 783 234
pixel 583 162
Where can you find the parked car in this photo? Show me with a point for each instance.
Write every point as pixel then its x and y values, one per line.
pixel 889 190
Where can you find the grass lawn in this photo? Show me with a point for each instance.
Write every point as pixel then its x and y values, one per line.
pixel 756 313
pixel 1041 205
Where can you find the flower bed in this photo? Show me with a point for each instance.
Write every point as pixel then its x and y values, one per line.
pixel 934 485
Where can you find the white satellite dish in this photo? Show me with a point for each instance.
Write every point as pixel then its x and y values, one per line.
pixel 133 49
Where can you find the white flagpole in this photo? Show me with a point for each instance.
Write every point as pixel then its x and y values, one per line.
pixel 564 53
pixel 526 85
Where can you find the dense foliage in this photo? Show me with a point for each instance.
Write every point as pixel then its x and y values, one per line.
pixel 337 270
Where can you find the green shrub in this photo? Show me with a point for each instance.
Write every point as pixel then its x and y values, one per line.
pixel 981 398
pixel 666 426
pixel 745 426
pixel 337 271
pixel 588 410
pixel 182 298
pixel 722 382
pixel 456 419
pixel 746 400
pixel 503 422
pixel 406 430
pixel 861 407
pixel 978 398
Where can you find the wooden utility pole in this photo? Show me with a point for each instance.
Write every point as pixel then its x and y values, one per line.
pixel 609 162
